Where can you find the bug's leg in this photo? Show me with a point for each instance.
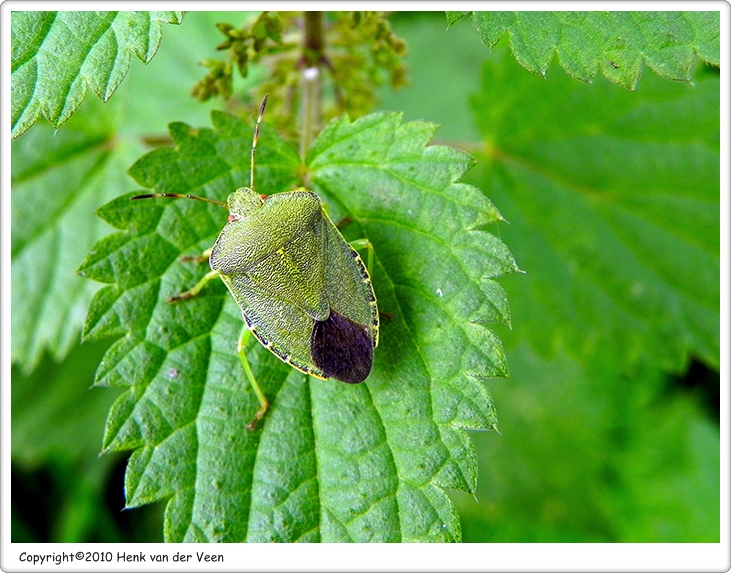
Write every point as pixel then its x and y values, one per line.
pixel 190 293
pixel 344 221
pixel 243 341
pixel 203 257
pixel 365 244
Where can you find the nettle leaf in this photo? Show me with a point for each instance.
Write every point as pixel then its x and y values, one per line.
pixel 56 56
pixel 614 43
pixel 330 461
pixel 58 179
pixel 613 200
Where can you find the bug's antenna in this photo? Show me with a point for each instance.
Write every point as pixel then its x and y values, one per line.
pixel 256 138
pixel 178 196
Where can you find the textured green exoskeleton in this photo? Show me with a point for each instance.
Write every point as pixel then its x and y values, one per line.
pixel 304 292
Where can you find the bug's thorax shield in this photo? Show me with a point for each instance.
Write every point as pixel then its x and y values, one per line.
pixel 285 224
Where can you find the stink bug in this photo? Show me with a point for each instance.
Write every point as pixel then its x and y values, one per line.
pixel 303 291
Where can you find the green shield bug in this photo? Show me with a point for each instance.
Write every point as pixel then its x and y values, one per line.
pixel 303 291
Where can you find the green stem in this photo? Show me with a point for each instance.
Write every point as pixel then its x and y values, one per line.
pixel 312 55
pixel 314 40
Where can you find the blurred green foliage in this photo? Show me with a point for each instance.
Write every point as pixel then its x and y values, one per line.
pixel 588 449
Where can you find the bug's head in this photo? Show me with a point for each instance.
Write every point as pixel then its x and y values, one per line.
pixel 243 202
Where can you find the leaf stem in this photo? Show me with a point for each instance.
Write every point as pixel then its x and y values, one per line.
pixel 312 57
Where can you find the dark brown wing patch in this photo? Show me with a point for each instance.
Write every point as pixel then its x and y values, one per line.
pixel 342 349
